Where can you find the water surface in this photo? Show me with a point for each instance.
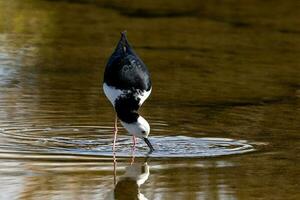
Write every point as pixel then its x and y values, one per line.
pixel 225 81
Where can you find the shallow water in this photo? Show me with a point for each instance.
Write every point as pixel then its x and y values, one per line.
pixel 224 111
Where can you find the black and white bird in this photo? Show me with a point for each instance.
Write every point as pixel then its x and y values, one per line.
pixel 127 84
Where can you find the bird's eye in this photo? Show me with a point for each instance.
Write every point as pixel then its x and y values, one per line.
pixel 143 131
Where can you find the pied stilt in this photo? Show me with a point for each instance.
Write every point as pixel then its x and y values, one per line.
pixel 127 84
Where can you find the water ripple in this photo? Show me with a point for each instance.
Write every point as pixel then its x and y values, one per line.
pixel 76 142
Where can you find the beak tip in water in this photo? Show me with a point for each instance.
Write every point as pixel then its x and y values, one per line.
pixel 149 144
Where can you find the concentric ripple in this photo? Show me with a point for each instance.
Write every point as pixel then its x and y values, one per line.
pixel 185 147
pixel 97 141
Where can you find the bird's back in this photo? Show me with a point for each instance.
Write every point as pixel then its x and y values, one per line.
pixel 125 70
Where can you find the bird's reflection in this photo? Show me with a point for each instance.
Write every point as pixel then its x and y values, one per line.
pixel 128 185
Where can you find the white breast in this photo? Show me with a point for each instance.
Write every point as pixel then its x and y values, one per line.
pixel 113 93
pixel 143 96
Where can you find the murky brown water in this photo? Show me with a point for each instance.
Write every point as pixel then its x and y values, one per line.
pixel 224 110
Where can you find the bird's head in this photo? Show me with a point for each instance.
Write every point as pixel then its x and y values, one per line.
pixel 140 128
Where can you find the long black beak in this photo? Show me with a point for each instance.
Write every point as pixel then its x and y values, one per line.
pixel 149 144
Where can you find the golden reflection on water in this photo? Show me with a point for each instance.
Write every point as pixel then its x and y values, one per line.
pixel 128 185
pixel 88 180
pixel 220 69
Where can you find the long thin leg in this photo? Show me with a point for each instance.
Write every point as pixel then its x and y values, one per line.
pixel 134 142
pixel 115 133
pixel 133 149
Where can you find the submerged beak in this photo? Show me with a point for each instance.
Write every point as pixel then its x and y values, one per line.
pixel 149 144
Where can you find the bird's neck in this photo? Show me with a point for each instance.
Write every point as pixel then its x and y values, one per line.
pixel 127 116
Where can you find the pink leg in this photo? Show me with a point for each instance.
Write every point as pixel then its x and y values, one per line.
pixel 133 149
pixel 134 142
pixel 115 133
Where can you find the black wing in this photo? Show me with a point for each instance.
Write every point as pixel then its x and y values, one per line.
pixel 125 70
